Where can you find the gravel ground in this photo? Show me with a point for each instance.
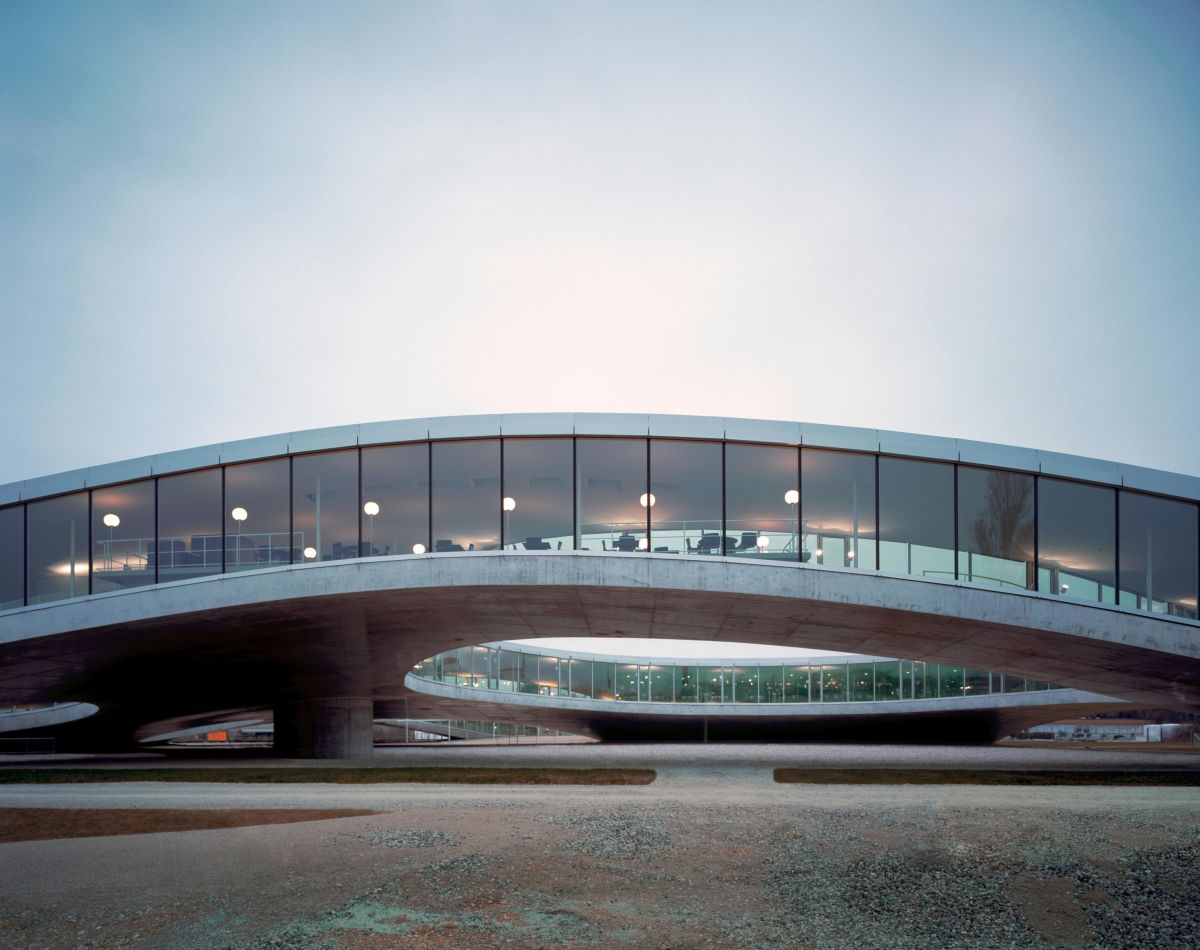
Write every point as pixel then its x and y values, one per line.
pixel 723 860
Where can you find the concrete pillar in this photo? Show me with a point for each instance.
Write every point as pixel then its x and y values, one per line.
pixel 334 727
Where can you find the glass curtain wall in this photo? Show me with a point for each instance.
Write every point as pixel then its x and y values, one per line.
pixel 995 528
pixel 466 496
pixel 796 684
pixel 257 516
pixel 1077 540
pixel 837 506
pixel 537 504
pixel 325 505
pixel 613 501
pixel 190 540
pixel 123 536
pixel 57 559
pixel 916 518
pixel 395 499
pixel 1158 554
pixel 761 504
pixel 12 557
pixel 685 495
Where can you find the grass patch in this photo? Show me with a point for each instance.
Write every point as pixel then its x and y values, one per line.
pixel 980 777
pixel 333 776
pixel 40 824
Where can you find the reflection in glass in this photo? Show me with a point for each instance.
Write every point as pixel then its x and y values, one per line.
pixel 761 503
pixel 466 496
pixel 510 671
pixel 529 681
pixel 661 684
pixel 484 671
pixel 123 536
pixel 257 532
pixel 977 682
pixel 745 684
pixel 887 679
pixel 612 494
pixel 837 506
pixel 796 685
pixel 537 488
pixel 862 682
pixel 1077 539
pixel 325 505
pixel 1158 554
pixel 12 557
pixel 627 682
pixel 916 517
pixel 395 483
pixel 995 527
pixel 581 678
pixel 950 680
pixel 919 678
pixel 770 684
pixel 711 684
pixel 58 548
pixel 685 488
pixel 604 680
pixel 833 682
pixel 685 684
pixel 190 543
pixel 548 676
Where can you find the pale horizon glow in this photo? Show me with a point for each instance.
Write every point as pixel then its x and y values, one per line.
pixel 664 649
pixel 956 218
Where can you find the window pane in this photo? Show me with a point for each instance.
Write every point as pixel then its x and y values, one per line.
pixel 862 682
pixel 710 684
pixel 1158 554
pixel 887 679
pixel 466 495
pixel 837 507
pixel 685 483
pixel 1077 536
pixel 612 481
pixel 530 683
pixel 510 671
pixel 685 684
pixel 627 681
pixel 548 676
pixel 256 515
pixel 12 557
pixel 770 684
pixel 1013 684
pixel 833 683
pixel 977 682
pixel 537 479
pixel 581 678
pixel 484 669
pixel 745 684
pixel 58 543
pixel 759 482
pixel 189 525
pixel 916 517
pixel 950 680
pixel 661 684
pixel 396 479
pixel 604 679
pixel 325 505
pixel 995 527
pixel 919 681
pixel 123 536
pixel 795 685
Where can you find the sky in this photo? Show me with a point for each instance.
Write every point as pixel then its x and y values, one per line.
pixel 978 220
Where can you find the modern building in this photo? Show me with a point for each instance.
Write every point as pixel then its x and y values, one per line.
pixel 306 573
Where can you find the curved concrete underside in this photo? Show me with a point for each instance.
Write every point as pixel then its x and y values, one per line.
pixel 238 643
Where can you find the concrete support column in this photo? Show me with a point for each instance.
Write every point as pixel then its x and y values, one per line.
pixel 334 727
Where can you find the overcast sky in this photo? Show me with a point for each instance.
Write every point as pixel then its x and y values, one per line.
pixel 224 220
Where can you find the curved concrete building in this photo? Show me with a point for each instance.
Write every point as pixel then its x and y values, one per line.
pixel 307 573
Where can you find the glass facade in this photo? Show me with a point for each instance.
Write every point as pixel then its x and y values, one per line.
pixel 916 518
pixel 465 498
pixel 395 499
pixel 325 505
pixel 257 515
pixel 12 557
pixel 537 503
pixel 762 509
pixel 612 497
pixel 824 507
pixel 858 680
pixel 57 548
pixel 1077 540
pixel 837 506
pixel 995 528
pixel 1158 554
pixel 123 536
pixel 685 496
pixel 190 539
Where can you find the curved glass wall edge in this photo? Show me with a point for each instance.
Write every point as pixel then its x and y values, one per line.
pixel 506 668
pixel 831 508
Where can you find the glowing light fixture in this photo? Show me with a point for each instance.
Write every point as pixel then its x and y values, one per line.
pixel 1063 588
pixel 111 520
pixel 643 544
pixel 763 541
pixel 509 504
pixel 310 553
pixel 418 548
pixel 849 555
pixel 371 509
pixel 791 496
pixel 239 514
pixel 647 500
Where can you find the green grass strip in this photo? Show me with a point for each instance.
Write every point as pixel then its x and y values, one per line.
pixel 981 777
pixel 333 775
